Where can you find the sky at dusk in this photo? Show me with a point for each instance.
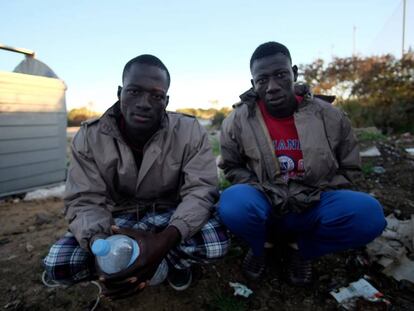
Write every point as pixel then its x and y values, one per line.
pixel 206 45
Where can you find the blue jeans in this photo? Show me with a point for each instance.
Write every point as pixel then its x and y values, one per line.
pixel 343 219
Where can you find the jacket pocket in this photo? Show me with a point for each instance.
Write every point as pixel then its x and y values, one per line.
pixel 320 165
pixel 252 153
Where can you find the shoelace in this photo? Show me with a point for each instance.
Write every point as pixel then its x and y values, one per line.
pixel 50 285
pixel 55 284
pixel 98 296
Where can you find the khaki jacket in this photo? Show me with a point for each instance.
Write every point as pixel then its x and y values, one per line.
pixel 330 152
pixel 178 170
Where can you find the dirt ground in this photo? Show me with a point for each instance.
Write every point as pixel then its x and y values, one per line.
pixel 28 228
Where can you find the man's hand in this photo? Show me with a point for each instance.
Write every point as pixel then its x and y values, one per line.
pixel 121 289
pixel 153 248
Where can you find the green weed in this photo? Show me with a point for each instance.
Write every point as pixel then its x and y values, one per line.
pixel 370 136
pixel 223 183
pixel 367 168
pixel 223 302
pixel 215 145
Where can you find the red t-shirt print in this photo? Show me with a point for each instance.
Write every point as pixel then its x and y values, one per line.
pixel 286 143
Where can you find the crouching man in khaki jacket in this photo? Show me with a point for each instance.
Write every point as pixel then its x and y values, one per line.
pixel 144 172
pixel 289 156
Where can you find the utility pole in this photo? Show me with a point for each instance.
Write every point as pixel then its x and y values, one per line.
pixel 403 29
pixel 354 41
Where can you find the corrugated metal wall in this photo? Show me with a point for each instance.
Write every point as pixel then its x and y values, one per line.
pixel 32 132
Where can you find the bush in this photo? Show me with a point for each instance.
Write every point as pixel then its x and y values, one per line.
pixel 218 119
pixel 215 115
pixel 396 117
pixel 374 91
pixel 77 115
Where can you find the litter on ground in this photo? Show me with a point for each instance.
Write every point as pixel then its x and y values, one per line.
pixel 240 289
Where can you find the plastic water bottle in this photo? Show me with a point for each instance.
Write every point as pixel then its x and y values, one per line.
pixel 117 252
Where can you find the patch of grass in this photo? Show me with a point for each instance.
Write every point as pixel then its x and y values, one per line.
pixel 370 136
pixel 223 302
pixel 215 145
pixel 367 168
pixel 223 182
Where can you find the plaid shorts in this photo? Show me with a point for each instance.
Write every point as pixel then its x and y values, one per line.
pixel 68 263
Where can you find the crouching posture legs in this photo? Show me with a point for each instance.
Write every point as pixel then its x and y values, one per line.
pixel 68 263
pixel 342 220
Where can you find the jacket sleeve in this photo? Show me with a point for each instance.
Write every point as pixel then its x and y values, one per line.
pixel 348 152
pixel 231 161
pixel 85 197
pixel 199 190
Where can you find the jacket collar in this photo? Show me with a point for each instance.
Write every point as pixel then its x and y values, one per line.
pixel 109 122
pixel 250 97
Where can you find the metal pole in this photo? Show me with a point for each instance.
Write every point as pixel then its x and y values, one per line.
pixel 26 52
pixel 354 41
pixel 403 29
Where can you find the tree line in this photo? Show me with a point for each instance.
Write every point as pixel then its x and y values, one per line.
pixel 77 115
pixel 374 91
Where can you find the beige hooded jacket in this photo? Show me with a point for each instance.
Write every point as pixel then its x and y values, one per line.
pixel 329 148
pixel 178 170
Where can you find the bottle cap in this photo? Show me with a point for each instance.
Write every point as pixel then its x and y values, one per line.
pixel 100 247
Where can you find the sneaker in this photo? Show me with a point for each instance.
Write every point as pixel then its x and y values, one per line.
pixel 47 281
pixel 299 271
pixel 179 279
pixel 253 266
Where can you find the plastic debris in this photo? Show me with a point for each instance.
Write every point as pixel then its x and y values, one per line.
pixel 55 192
pixel 348 297
pixel 410 150
pixel 391 248
pixel 370 152
pixel 404 270
pixel 240 289
pixel 378 170
pixel 29 247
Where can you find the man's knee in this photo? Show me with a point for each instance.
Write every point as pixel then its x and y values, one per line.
pixel 216 240
pixel 369 218
pixel 358 215
pixel 57 266
pixel 240 203
pixel 49 263
pixel 67 262
pixel 355 218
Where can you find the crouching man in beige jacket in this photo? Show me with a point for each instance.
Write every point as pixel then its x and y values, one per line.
pixel 290 157
pixel 144 172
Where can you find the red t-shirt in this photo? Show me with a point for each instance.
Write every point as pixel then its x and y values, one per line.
pixel 286 142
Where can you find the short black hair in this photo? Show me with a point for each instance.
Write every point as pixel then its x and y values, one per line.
pixel 146 59
pixel 267 49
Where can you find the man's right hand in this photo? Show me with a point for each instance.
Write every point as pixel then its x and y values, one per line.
pixel 153 248
pixel 123 284
pixel 129 281
pixel 122 289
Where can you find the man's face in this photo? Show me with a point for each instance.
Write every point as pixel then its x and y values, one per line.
pixel 273 81
pixel 144 97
